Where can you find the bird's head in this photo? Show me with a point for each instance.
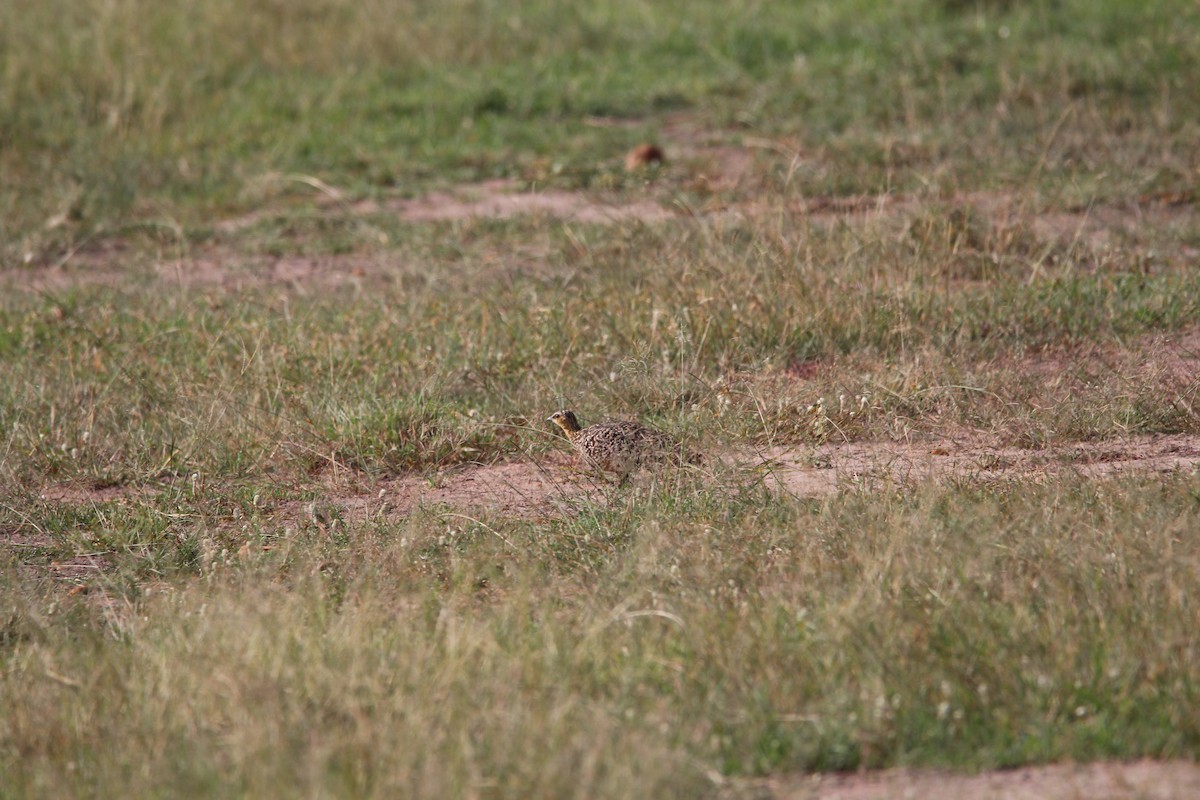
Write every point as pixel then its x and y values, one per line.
pixel 564 419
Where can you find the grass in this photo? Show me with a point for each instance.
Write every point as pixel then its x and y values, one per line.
pixel 246 384
pixel 196 111
pixel 191 602
pixel 647 646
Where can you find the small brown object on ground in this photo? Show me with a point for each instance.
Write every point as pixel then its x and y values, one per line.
pixel 644 155
pixel 621 447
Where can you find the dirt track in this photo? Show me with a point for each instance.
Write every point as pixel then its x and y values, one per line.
pixel 553 486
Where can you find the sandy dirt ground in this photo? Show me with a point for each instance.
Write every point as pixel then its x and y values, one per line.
pixel 554 485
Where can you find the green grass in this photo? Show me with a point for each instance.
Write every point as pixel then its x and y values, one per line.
pixel 116 114
pixel 420 373
pixel 191 605
pixel 634 649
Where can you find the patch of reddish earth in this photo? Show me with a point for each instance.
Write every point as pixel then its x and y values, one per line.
pixel 499 200
pixel 25 537
pixel 75 493
pixel 716 170
pixel 74 570
pixel 548 487
pixel 829 468
pixel 554 486
pixel 1138 780
pixel 726 170
pixel 213 268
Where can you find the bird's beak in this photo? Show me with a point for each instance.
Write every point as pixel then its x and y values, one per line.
pixel 550 419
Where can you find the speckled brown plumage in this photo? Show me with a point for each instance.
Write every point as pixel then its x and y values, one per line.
pixel 621 447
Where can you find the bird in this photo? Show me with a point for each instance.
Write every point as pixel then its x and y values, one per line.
pixel 621 447
pixel 643 156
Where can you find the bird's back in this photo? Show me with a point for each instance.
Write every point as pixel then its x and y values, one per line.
pixel 623 446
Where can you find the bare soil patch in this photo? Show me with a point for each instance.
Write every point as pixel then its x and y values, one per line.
pixel 1140 780
pixel 723 172
pixel 553 486
pixel 816 471
pixel 500 200
pixel 83 493
pixel 543 488
pixel 212 267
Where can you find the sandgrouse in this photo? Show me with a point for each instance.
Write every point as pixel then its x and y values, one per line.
pixel 621 447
